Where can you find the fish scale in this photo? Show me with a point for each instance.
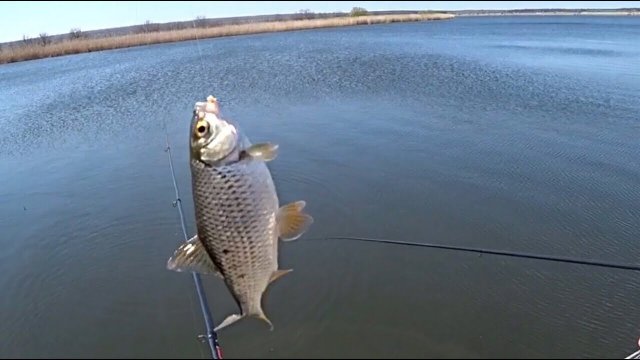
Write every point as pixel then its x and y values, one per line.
pixel 243 223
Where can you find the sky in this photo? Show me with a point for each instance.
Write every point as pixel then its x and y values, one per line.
pixel 57 17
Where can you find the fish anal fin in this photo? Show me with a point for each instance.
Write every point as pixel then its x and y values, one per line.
pixel 292 222
pixel 192 256
pixel 278 274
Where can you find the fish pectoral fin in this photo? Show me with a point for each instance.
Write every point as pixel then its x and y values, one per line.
pixel 278 274
pixel 228 321
pixel 192 256
pixel 292 222
pixel 262 151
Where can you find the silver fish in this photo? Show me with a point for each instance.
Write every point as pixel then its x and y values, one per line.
pixel 238 216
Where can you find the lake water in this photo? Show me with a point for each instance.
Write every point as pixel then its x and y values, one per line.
pixel 510 133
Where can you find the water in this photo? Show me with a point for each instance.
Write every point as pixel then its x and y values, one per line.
pixel 507 133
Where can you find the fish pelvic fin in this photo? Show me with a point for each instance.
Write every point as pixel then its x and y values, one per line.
pixel 292 222
pixel 192 256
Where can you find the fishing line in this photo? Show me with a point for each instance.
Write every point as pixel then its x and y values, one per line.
pixel 195 32
pixel 561 259
pixel 210 336
pixel 516 254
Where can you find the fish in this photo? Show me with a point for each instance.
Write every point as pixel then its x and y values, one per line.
pixel 239 220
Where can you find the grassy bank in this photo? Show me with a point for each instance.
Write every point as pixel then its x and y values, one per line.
pixel 32 51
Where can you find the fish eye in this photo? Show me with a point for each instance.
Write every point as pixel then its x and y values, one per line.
pixel 202 128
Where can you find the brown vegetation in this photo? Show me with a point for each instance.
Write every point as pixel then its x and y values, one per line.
pixel 76 43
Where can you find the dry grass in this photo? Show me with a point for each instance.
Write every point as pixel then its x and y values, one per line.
pixel 36 51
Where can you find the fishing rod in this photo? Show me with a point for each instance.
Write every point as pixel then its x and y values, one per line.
pixel 516 254
pixel 211 336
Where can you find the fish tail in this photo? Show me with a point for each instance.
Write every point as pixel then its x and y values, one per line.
pixel 259 314
pixel 228 321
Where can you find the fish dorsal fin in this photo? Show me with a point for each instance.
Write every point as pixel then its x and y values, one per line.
pixel 292 222
pixel 192 256
pixel 278 274
pixel 262 151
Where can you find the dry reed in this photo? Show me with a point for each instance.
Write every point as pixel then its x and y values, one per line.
pixel 75 46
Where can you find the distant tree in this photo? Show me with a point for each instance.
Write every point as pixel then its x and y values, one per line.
pixel 306 13
pixel 358 11
pixel 149 26
pixel 45 39
pixel 200 21
pixel 75 33
pixel 26 40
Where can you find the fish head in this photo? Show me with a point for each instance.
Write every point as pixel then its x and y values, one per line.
pixel 213 139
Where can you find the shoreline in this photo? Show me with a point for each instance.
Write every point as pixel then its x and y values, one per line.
pixel 33 50
pixel 466 13
pixel 548 14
